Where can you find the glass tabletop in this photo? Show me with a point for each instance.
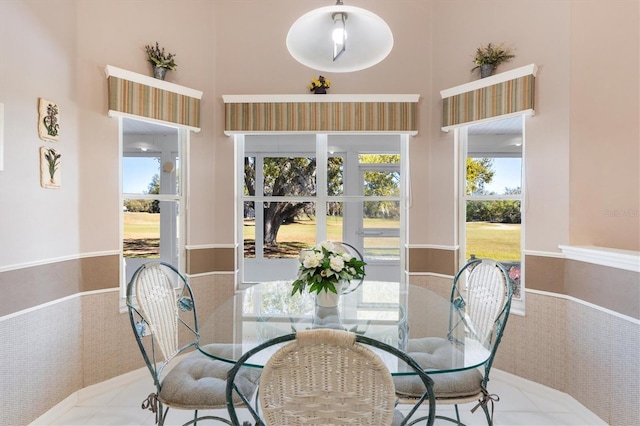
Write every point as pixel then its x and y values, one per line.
pixel 419 321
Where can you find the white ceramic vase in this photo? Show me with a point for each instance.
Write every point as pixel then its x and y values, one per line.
pixel 327 314
pixel 329 299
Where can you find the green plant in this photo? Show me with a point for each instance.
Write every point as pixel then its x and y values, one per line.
pixel 159 58
pixel 321 81
pixel 323 266
pixel 491 55
pixel 52 158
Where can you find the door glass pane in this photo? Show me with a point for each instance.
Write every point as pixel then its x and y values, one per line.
pixel 249 176
pixel 249 229
pixel 381 248
pixel 291 176
pixel 335 176
pixel 335 221
pixel 288 228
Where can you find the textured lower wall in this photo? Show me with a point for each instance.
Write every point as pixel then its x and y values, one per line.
pixel 41 360
pixel 533 346
pixel 603 351
pixel 109 348
pixel 575 348
pixel 590 354
pixel 51 352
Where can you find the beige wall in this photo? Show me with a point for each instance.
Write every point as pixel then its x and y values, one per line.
pixel 586 120
pixel 605 130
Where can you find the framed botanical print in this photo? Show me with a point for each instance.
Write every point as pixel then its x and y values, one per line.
pixel 48 120
pixel 50 176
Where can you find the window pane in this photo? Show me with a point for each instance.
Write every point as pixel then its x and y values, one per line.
pixel 288 228
pixel 381 248
pixel 289 176
pixel 140 174
pixel 382 183
pixel 335 176
pixel 141 229
pixel 335 221
pixel 505 175
pixel 249 229
pixel 500 241
pixel 249 175
pixel 379 158
pixel 381 214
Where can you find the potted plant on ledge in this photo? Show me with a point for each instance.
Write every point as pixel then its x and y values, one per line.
pixel 488 58
pixel 160 60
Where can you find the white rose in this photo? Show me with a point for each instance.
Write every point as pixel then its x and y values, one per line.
pixel 336 263
pixel 327 245
pixel 347 257
pixel 310 260
pixel 303 254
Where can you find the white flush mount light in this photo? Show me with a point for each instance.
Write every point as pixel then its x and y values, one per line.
pixel 339 38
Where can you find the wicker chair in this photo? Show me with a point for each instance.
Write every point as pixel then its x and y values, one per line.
pixel 326 377
pixel 165 324
pixel 480 300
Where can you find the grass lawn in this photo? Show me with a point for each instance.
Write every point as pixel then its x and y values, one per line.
pixel 499 241
pixel 141 235
pixel 493 240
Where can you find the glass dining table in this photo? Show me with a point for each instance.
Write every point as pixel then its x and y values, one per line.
pixel 390 312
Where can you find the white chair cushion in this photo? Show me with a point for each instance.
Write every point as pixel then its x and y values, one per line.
pixel 434 352
pixel 199 382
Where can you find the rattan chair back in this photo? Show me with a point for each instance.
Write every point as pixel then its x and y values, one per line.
pixel 327 377
pixel 487 289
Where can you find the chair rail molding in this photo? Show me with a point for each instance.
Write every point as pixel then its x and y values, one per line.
pixel 614 258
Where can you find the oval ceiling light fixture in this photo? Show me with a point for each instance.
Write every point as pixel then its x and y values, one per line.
pixel 339 38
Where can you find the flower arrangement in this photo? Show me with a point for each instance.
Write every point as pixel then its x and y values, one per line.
pixel 159 58
pixel 323 266
pixel 321 81
pixel 491 55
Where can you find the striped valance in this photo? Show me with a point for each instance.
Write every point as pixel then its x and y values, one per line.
pixel 143 96
pixel 504 94
pixel 321 113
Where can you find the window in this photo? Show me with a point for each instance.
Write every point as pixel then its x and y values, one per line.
pixel 492 196
pixel 300 189
pixel 152 195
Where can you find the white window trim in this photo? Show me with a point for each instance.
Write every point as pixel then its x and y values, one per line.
pixel 461 143
pixel 321 158
pixel 184 138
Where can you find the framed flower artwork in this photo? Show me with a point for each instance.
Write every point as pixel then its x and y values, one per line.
pixel 48 120
pixel 50 176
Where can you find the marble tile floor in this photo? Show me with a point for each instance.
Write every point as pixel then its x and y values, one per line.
pixel 117 402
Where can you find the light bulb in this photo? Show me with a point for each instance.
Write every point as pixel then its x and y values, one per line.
pixel 339 35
